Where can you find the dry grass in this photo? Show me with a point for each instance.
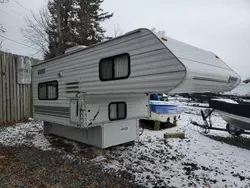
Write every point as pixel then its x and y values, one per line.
pixel 11 123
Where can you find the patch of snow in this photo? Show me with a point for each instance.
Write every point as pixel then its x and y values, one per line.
pixel 197 104
pixel 41 142
pixel 28 134
pixel 114 165
pixel 69 157
pixel 99 158
pixel 156 161
pixel 226 100
pixel 196 161
pixel 178 99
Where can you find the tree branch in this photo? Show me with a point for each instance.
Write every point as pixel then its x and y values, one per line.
pixel 34 31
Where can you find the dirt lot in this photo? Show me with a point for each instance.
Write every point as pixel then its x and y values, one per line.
pixel 22 166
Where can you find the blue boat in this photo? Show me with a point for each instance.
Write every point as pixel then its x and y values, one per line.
pixel 163 111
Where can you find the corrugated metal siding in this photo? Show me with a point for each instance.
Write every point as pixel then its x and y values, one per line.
pixel 52 111
pixel 187 52
pixel 212 79
pixel 153 68
pixel 149 58
pixel 52 119
pixel 213 73
pixel 136 106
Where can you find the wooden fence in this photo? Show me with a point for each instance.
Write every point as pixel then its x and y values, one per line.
pixel 15 97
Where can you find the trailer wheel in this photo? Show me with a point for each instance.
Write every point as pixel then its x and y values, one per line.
pixel 233 130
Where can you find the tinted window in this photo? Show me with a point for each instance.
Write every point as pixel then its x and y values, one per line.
pixel 113 68
pixel 48 90
pixel 117 111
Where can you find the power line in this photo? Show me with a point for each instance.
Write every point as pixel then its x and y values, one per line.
pixel 14 11
pixel 21 5
pixel 17 42
pixel 12 15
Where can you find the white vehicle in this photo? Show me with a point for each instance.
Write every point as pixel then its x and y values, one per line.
pixel 97 94
pixel 242 90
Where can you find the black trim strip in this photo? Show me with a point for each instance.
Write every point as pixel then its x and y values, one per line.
pixel 55 115
pixel 63 111
pixel 54 108
pixel 72 83
pixel 73 87
pixel 53 112
pixel 75 91
pixel 209 79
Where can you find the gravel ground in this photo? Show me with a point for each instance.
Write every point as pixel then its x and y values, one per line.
pixel 23 166
pixel 29 159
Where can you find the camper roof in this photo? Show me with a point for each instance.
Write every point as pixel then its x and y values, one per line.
pixel 163 63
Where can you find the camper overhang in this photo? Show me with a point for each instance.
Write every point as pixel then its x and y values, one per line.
pixel 97 94
pixel 205 71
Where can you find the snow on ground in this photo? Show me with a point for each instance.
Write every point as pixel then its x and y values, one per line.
pixel 196 161
pixel 227 100
pixel 29 134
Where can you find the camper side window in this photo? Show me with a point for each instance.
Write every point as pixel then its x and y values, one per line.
pixel 48 90
pixel 114 68
pixel 117 111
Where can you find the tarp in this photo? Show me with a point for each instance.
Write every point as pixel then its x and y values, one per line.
pixel 23 70
pixel 232 108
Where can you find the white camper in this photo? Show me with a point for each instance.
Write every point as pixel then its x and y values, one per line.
pixel 97 94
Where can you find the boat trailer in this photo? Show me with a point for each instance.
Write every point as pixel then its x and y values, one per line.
pixel 207 125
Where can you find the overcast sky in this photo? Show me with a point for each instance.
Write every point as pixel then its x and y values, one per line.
pixel 220 26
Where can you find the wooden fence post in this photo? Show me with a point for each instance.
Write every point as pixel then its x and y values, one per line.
pixel 1 88
pixel 15 97
pixel 15 89
pixel 4 86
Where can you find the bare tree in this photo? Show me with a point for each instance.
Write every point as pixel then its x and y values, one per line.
pixel 161 32
pixel 34 31
pixel 2 28
pixel 117 31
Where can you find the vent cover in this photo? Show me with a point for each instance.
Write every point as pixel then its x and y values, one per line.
pixel 72 87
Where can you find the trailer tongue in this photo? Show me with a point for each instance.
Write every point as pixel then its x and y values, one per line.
pixel 235 114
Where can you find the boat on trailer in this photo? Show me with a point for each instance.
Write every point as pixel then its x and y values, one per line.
pixel 234 112
pixel 163 111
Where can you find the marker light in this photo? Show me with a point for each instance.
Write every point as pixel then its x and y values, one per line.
pixel 219 58
pixel 164 38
